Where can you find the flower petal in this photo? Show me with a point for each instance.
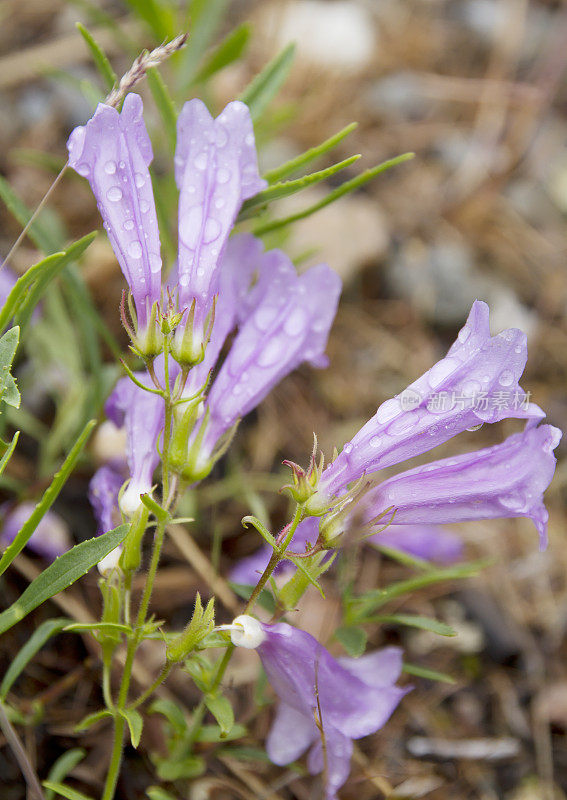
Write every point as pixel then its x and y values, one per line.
pixel 338 754
pixel 380 668
pixel 476 382
pixel 216 170
pixel 113 152
pixel 429 542
pixel 290 324
pixel 50 539
pixel 290 735
pixel 103 496
pixel 507 480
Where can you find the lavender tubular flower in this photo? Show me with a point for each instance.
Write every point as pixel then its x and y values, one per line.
pixel 216 169
pixel 113 152
pixel 289 325
pixel 103 496
pixel 50 539
pixel 429 542
pixel 476 382
pixel 507 480
pixel 350 698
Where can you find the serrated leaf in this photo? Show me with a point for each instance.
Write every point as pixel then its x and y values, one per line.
pixel 228 51
pixel 62 767
pixel 8 346
pixel 65 791
pixel 262 90
pixel 221 710
pixel 29 289
pixel 353 639
pixel 33 645
pixel 416 621
pixel 429 674
pixel 340 191
pixel 297 163
pixel 49 496
pixel 100 58
pixel 92 719
pixel 278 191
pixel 64 571
pixel 135 725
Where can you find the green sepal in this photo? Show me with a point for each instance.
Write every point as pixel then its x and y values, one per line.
pixel 131 556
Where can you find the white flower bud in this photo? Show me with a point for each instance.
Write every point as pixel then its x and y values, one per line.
pixel 248 634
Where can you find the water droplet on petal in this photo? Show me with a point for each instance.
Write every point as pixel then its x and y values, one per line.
pixel 190 227
pixel 155 262
pixel 272 353
pixel 144 206
pixel 221 136
pixel 223 175
pixel 376 441
pixel 128 225
pixel 387 410
pixel 347 448
pixel 83 169
pixel 110 167
pixel 475 427
pixel 295 323
pixel 114 194
pixel 212 230
pixel 464 334
pixel 139 179
pixel 514 501
pixel 219 202
pixel 264 317
pixel 135 249
pixel 506 378
pixel 201 160
pixel 249 140
pixel 441 370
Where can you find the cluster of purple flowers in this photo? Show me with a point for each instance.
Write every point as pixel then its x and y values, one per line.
pixel 223 285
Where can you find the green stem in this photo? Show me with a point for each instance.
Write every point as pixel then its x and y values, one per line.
pixel 167 426
pixel 166 669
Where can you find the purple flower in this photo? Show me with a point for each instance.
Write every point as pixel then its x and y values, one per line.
pixel 507 480
pixel 216 169
pixel 503 481
pixel 103 496
pixel 288 323
pixel 429 542
pixel 50 539
pixel 476 382
pixel 113 152
pixel 349 697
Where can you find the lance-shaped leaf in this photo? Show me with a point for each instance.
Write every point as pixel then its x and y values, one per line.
pixel 34 644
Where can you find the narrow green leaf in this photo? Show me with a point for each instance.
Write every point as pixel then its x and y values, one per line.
pixel 212 733
pixel 222 711
pixel 92 719
pixel 64 791
pixel 28 290
pixel 279 190
pixel 62 767
pixel 262 90
pixel 188 767
pixel 291 593
pixel 78 627
pixel 39 159
pixel 164 103
pixel 403 558
pixel 155 793
pixel 228 51
pixel 340 191
pixel 156 15
pixel 135 724
pixel 39 232
pixel 49 497
pixel 265 599
pixel 203 20
pixel 173 714
pixel 33 645
pixel 67 569
pixel 297 163
pixel 415 621
pixel 8 451
pixel 429 674
pixel 361 606
pixel 353 639
pixel 100 58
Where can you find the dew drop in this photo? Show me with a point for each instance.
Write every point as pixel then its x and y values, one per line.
pixel 83 169
pixel 506 378
pixel 249 140
pixel 347 448
pixel 155 262
pixel 212 230
pixel 219 202
pixel 514 501
pixel 135 249
pixel 441 370
pixel 190 227
pixel 295 323
pixel 128 225
pixel 387 410
pixel 272 353
pixel 114 194
pixel 475 427
pixel 200 272
pixel 221 137
pixel 376 441
pixel 223 175
pixel 139 180
pixel 110 167
pixel 201 160
pixel 264 317
pixel 144 206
